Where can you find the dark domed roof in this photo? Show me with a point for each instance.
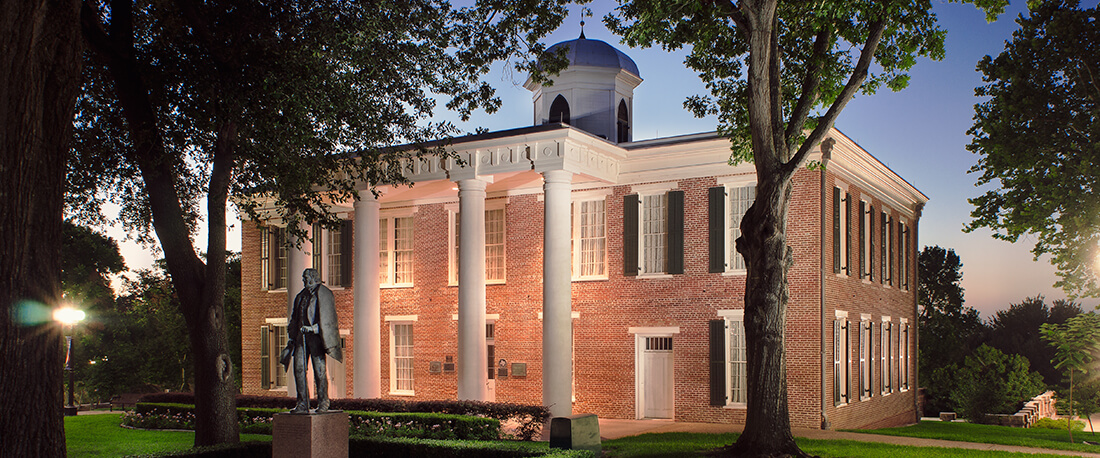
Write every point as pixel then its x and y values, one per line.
pixel 596 53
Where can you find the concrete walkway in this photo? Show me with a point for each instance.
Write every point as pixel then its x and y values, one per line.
pixel 614 429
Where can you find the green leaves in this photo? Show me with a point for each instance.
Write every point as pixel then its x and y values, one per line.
pixel 1037 138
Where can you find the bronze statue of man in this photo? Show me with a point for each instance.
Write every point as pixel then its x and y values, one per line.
pixel 313 331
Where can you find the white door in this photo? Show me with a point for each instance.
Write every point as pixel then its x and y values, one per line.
pixel 490 352
pixel 657 387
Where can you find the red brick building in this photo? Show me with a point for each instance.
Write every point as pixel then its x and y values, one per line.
pixel 627 299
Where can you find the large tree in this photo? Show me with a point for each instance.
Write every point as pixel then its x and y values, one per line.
pixel 779 74
pixel 1038 135
pixel 39 81
pixel 188 99
pixel 1016 330
pixel 949 331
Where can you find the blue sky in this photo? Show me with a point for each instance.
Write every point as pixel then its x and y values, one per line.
pixel 920 133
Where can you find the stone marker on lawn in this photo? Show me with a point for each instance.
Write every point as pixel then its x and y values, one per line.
pixel 314 435
pixel 576 432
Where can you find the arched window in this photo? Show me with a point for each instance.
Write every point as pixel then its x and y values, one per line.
pixel 559 110
pixel 624 123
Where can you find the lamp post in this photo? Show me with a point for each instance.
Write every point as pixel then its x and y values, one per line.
pixel 69 316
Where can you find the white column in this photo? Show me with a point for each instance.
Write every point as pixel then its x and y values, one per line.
pixel 473 364
pixel 367 342
pixel 298 259
pixel 557 325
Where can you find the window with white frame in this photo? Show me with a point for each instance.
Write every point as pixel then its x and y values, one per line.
pixel 495 237
pixel 867 240
pixel 395 251
pixel 334 254
pixel 903 354
pixel 273 338
pixel 842 213
pixel 886 355
pixel 654 233
pixel 590 239
pixel 866 355
pixel 740 199
pixel 273 256
pixel 401 356
pixel 842 358
pixel 736 359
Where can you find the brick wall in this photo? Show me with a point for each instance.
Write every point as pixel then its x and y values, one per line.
pixel 604 348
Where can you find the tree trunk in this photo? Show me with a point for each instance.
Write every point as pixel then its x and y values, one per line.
pixel 39 81
pixel 215 392
pixel 764 245
pixel 201 288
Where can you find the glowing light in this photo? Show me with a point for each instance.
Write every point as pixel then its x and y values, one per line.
pixel 68 315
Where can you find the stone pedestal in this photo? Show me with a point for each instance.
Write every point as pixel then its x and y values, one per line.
pixel 316 435
pixel 576 432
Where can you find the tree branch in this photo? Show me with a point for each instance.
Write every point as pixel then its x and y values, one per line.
pixel 855 81
pixel 93 32
pixel 810 84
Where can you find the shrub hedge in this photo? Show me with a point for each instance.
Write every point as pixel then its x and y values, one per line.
pixel 398 424
pixel 528 418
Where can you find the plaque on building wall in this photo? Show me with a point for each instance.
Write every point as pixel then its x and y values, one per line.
pixel 519 369
pixel 435 367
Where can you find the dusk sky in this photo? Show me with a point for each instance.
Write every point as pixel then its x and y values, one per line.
pixel 920 133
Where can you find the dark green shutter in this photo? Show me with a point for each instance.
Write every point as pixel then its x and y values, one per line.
pixel 862 239
pixel 848 233
pixel 716 225
pixel 318 249
pixel 883 242
pixel 675 254
pixel 717 362
pixel 265 359
pixel 906 249
pixel 836 230
pixel 871 242
pixel 630 235
pixel 346 228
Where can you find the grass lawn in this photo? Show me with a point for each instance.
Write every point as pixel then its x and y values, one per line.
pixel 989 434
pixel 669 445
pixel 101 435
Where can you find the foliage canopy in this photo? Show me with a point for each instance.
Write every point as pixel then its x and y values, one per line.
pixel 1038 137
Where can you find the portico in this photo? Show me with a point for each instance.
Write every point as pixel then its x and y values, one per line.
pixel 553 156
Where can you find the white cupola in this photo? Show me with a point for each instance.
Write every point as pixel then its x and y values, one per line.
pixel 595 93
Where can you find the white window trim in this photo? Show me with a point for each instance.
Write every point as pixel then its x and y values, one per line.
pixel 579 198
pixel 886 339
pixel 321 243
pixel 390 215
pixel 867 222
pixel 903 363
pixel 903 271
pixel 887 279
pixel 844 364
pixel 399 320
pixel 731 316
pixel 452 241
pixel 844 229
pixel 866 364
pixel 730 239
pixel 644 191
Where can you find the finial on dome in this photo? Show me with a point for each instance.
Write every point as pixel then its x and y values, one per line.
pixel 582 31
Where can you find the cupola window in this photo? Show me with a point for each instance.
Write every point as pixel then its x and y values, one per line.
pixel 559 110
pixel 623 126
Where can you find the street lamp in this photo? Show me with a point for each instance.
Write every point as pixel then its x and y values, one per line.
pixel 69 316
